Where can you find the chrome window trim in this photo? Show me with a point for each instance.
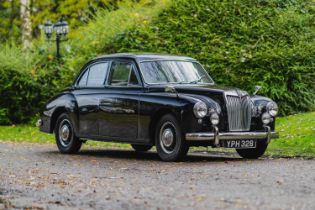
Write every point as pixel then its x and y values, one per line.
pixel 175 83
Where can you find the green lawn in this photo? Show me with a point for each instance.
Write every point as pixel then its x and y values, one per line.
pixel 30 134
pixel 297 136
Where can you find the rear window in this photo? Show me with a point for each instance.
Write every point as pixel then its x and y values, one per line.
pixel 95 75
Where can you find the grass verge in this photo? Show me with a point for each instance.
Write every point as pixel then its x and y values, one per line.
pixel 30 134
pixel 297 136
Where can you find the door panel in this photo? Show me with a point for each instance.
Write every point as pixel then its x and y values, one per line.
pixel 88 94
pixel 88 111
pixel 119 113
pixel 120 104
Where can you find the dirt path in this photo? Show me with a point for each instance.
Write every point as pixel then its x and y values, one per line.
pixel 38 177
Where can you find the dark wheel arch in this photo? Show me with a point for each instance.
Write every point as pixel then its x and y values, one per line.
pixel 155 119
pixel 59 111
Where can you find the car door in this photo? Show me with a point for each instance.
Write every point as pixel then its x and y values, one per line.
pixel 120 103
pixel 88 92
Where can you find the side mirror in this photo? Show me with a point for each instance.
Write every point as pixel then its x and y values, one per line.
pixel 257 88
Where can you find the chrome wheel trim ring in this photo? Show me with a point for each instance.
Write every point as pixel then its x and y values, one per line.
pixel 167 137
pixel 65 133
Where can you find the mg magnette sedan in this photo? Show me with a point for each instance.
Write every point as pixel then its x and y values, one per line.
pixel 169 102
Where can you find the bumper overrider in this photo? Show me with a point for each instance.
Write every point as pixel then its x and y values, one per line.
pixel 216 137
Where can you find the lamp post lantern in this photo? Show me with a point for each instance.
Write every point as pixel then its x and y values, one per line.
pixel 61 29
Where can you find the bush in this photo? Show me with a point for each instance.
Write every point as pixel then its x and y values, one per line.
pixel 29 78
pixel 242 43
pixel 19 95
pixel 27 81
pixel 4 119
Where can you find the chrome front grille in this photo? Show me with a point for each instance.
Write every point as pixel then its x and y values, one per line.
pixel 239 112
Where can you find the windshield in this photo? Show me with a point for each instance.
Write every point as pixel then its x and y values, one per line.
pixel 174 72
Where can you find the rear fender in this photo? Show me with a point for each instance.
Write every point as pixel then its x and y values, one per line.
pixel 62 103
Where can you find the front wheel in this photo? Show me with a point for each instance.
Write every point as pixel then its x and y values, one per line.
pixel 66 139
pixel 169 140
pixel 254 153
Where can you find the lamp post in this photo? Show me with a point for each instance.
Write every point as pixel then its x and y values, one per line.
pixel 61 28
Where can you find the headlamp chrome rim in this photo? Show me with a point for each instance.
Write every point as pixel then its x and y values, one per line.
pixel 272 108
pixel 200 109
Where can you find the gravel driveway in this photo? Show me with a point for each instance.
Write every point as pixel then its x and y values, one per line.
pixel 37 176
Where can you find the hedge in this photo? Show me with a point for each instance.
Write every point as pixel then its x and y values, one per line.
pixel 241 43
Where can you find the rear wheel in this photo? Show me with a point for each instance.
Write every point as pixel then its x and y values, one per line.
pixel 169 141
pixel 254 153
pixel 66 140
pixel 141 148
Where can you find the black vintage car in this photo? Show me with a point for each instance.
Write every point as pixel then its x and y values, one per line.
pixel 157 100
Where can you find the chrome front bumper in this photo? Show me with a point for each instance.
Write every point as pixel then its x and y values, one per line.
pixel 217 136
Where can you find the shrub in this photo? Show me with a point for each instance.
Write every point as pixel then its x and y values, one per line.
pixel 29 78
pixel 4 119
pixel 19 96
pixel 241 43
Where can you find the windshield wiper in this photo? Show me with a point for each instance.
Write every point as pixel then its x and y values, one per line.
pixel 197 80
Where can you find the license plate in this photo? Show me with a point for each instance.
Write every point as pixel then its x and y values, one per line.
pixel 240 144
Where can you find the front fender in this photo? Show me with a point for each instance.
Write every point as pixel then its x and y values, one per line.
pixel 190 122
pixel 211 104
pixel 260 107
pixel 259 104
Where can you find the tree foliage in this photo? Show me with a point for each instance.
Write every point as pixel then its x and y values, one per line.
pixel 29 78
pixel 77 12
pixel 242 43
pixel 9 20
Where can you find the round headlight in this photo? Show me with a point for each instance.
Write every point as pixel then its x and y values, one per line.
pixel 272 108
pixel 214 118
pixel 200 109
pixel 266 118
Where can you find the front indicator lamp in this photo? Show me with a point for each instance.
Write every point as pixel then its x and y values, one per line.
pixel 266 118
pixel 214 118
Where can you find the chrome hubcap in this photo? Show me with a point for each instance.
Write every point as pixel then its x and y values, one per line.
pixel 64 133
pixel 167 137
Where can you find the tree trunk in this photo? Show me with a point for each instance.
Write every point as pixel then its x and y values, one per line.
pixel 12 17
pixel 26 23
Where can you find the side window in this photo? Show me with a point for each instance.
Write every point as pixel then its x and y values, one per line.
pixel 97 74
pixel 122 74
pixel 133 80
pixel 83 79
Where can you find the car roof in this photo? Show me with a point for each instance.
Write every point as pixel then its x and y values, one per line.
pixel 147 56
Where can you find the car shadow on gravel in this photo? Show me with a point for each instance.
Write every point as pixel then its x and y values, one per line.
pixel 211 156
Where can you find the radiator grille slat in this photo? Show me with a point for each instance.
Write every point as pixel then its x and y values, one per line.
pixel 239 112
